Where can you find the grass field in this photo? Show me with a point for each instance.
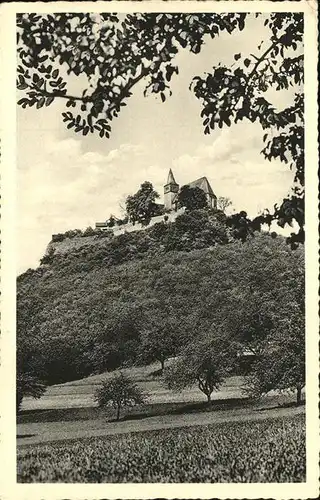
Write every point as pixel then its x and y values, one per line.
pixel 176 437
pixel 270 450
pixel 68 411
pixel 79 393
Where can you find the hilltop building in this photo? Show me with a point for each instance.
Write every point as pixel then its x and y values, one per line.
pixel 171 191
pixel 170 206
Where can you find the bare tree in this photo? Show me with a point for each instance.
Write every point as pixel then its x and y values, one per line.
pixel 223 203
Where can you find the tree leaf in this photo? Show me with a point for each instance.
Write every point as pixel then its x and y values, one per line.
pixel 49 100
pixel 41 102
pixel 43 58
pixel 40 83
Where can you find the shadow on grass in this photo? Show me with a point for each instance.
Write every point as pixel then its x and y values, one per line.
pixel 58 415
pixel 151 410
pixel 22 436
pixel 137 413
pixel 189 408
pixel 289 404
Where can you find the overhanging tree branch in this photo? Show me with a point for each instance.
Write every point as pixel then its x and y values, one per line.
pixel 262 58
pixel 124 93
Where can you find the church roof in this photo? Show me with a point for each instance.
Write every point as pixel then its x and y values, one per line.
pixel 203 184
pixel 171 179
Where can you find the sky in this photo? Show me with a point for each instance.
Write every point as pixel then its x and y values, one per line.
pixel 67 181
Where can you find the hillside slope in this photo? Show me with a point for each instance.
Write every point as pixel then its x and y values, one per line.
pixel 81 314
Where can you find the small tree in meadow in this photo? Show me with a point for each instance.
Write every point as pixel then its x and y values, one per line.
pixel 206 362
pixel 118 392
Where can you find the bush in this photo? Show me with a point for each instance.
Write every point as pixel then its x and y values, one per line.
pixel 104 233
pixel 48 258
pixel 57 237
pixel 111 221
pixel 89 232
pixel 72 233
pixel 158 231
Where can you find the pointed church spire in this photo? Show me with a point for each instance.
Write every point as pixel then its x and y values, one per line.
pixel 170 191
pixel 171 179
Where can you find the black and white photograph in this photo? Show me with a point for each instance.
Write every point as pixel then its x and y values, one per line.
pixel 162 241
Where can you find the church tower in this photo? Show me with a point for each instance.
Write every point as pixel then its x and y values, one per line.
pixel 171 189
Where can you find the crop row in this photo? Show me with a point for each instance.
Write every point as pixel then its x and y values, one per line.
pixel 272 450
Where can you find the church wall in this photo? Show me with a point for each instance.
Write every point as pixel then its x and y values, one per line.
pixel 128 228
pixel 168 199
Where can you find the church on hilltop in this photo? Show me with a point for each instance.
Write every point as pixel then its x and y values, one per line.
pixel 169 210
pixel 171 191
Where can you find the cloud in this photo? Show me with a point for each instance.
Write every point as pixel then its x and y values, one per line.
pixel 236 168
pixel 60 188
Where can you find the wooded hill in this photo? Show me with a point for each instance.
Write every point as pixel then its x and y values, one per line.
pixel 145 295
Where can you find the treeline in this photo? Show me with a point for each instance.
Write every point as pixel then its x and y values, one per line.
pixel 192 230
pixel 82 315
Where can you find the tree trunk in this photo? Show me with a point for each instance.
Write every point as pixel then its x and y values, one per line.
pixel 299 395
pixel 118 412
pixel 162 364
pixel 209 398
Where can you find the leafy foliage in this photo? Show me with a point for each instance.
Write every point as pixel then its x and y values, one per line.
pixel 192 198
pixel 281 364
pixel 206 361
pixel 78 233
pixel 83 314
pixel 242 226
pixel 229 95
pixel 194 230
pixel 162 332
pixel 115 53
pixel 141 207
pixel 28 385
pixel 233 452
pixel 119 391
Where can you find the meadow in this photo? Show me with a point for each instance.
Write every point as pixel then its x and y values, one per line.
pixel 270 450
